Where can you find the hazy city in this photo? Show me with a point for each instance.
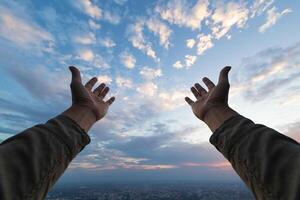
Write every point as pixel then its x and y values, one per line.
pixel 185 190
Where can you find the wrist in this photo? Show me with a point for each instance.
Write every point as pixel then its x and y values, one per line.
pixel 217 115
pixel 82 115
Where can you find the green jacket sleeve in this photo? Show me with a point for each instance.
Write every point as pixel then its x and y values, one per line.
pixel 33 160
pixel 267 161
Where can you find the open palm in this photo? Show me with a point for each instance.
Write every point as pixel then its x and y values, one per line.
pixel 82 95
pixel 217 95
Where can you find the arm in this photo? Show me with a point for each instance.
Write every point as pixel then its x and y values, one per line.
pixel 267 161
pixel 32 161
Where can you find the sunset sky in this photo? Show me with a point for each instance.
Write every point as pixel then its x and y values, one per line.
pixel 149 53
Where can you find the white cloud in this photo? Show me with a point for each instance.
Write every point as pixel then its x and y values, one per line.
pixel 94 25
pixel 124 82
pixel 178 65
pixel 111 17
pixel 86 55
pixel 160 29
pixel 138 41
pixel 128 60
pixel 180 13
pixel 104 79
pixel 190 60
pixel 190 43
pixel 89 8
pixel 149 73
pixel 226 16
pixel 172 100
pixel 260 6
pixel 107 42
pixel 272 17
pixel 147 89
pixel 204 43
pixel 25 34
pixel 88 38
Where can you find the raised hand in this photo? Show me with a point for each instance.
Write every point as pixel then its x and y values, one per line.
pixel 216 96
pixel 87 106
pixel 85 97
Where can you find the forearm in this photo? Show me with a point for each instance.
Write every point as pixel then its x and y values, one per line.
pixel 267 161
pixel 217 115
pixel 83 116
pixel 32 161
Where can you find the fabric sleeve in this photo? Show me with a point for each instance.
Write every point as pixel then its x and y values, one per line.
pixel 33 160
pixel 267 161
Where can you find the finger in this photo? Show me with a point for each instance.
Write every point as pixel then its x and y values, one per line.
pixel 200 89
pixel 223 77
pixel 111 100
pixel 104 92
pixel 75 74
pixel 209 84
pixel 90 84
pixel 195 92
pixel 99 89
pixel 188 100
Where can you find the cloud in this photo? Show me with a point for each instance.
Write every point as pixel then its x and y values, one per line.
pixel 111 17
pixel 86 55
pixel 190 60
pixel 190 43
pixel 226 16
pixel 147 89
pixel 160 29
pixel 260 6
pixel 178 65
pixel 128 60
pixel 41 82
pixel 272 17
pixel 150 73
pixel 182 14
pixel 104 79
pixel 89 8
pixel 88 38
pixel 94 25
pixel 24 32
pixel 163 146
pixel 268 69
pixel 124 82
pixel 107 42
pixel 170 100
pixel 292 130
pixel 204 43
pixel 138 41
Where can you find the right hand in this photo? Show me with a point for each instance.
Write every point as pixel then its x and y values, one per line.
pixel 216 96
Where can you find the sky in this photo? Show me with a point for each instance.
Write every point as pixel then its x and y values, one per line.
pixel 149 53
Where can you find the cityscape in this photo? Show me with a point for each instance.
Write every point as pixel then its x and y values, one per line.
pixel 187 190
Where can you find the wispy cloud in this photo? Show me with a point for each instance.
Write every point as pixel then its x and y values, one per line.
pixel 179 12
pixel 268 69
pixel 272 17
pixel 24 32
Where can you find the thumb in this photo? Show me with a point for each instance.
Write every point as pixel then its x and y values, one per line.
pixel 75 74
pixel 223 77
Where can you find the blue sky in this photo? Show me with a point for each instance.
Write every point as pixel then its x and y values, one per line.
pixel 150 53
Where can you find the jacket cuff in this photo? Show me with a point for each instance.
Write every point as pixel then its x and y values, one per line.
pixel 226 136
pixel 70 134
